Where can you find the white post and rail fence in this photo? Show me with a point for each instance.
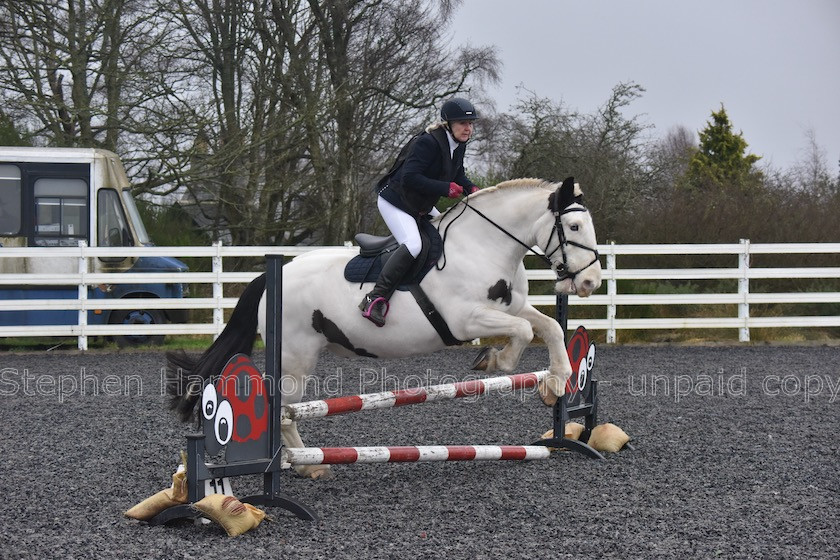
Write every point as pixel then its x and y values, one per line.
pixel 736 271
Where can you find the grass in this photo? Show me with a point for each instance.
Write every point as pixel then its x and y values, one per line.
pixel 190 343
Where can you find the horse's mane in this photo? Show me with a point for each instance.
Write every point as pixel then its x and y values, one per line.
pixel 511 184
pixel 524 183
pixel 528 182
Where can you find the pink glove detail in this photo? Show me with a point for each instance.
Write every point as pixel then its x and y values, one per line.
pixel 473 189
pixel 455 190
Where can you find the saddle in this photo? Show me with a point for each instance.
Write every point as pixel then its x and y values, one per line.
pixel 376 250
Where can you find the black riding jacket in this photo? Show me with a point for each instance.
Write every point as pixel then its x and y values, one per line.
pixel 424 176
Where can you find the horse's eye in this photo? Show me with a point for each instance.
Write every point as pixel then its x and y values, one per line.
pixel 574 227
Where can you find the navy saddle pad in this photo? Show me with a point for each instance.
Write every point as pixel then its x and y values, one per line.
pixel 368 264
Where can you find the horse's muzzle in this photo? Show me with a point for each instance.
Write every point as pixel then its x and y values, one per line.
pixel 582 287
pixel 585 287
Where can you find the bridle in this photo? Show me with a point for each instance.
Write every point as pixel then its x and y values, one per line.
pixel 562 270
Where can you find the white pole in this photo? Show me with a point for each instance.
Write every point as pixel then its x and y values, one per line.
pixel 744 291
pixel 218 290
pixel 612 290
pixel 83 293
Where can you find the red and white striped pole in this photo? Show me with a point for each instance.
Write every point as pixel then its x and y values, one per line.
pixel 294 456
pixel 390 399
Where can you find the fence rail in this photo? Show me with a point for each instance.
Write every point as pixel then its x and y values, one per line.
pixel 740 271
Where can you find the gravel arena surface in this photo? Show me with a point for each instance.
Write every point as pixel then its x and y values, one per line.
pixel 735 456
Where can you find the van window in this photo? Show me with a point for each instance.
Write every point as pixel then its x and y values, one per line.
pixel 10 208
pixel 134 216
pixel 113 230
pixel 61 212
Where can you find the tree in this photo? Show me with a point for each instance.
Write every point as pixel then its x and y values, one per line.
pixel 9 134
pixel 721 197
pixel 669 158
pixel 273 117
pixel 722 161
pixel 604 151
pixel 811 173
pixel 807 196
pixel 70 67
pixel 309 102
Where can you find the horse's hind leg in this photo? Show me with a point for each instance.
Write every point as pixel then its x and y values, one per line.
pixel 296 368
pixel 291 438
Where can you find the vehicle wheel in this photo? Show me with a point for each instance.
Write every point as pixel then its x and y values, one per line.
pixel 137 317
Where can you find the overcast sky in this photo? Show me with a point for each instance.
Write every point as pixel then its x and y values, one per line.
pixel 774 64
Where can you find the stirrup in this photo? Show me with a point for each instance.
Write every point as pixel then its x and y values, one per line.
pixel 372 309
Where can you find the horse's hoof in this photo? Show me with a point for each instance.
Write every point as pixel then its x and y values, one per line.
pixel 546 395
pixel 322 473
pixel 483 359
pixel 316 472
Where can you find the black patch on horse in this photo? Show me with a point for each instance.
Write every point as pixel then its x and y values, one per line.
pixel 334 334
pixel 501 291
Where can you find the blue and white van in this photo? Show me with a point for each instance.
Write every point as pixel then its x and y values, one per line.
pixel 57 197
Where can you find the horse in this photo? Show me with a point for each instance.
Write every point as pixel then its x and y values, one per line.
pixel 480 289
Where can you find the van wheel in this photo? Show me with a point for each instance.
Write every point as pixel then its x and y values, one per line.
pixel 137 317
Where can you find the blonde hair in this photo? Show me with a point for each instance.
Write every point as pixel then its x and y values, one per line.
pixel 437 125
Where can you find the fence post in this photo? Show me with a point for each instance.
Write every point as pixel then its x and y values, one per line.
pixel 83 293
pixel 273 356
pixel 611 293
pixel 744 290
pixel 218 290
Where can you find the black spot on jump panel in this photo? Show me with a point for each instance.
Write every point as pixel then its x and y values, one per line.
pixel 243 426
pixel 334 334
pixel 500 291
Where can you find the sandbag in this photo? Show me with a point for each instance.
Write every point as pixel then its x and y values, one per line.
pixel 234 516
pixel 608 437
pixel 572 430
pixel 165 499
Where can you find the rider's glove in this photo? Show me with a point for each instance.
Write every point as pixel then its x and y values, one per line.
pixel 455 190
pixel 473 189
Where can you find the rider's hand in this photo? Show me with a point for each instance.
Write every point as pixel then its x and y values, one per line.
pixel 455 190
pixel 473 189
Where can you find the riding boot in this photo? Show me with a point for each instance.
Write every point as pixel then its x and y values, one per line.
pixel 375 304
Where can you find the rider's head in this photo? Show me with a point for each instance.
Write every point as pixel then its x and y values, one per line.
pixel 460 116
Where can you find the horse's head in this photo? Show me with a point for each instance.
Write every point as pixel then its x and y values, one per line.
pixel 564 231
pixel 572 247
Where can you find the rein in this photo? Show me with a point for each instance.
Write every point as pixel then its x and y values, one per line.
pixel 562 271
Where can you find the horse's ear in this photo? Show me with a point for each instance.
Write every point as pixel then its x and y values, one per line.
pixel 567 191
pixel 564 196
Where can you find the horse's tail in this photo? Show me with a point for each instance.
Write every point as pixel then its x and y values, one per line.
pixel 185 375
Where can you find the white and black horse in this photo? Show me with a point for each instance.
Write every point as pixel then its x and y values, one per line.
pixel 480 292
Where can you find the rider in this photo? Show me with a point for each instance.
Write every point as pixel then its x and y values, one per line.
pixel 433 167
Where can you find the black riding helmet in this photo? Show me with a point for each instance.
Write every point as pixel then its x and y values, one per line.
pixel 458 109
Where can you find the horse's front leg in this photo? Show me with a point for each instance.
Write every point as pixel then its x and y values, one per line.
pixel 488 322
pixel 560 369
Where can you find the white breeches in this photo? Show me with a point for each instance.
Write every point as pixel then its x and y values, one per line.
pixel 402 226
